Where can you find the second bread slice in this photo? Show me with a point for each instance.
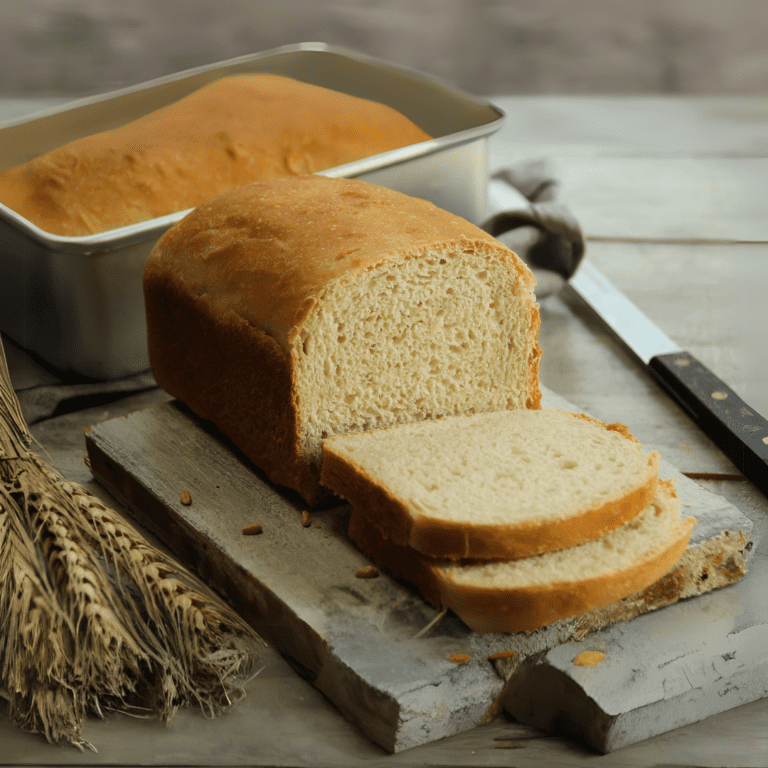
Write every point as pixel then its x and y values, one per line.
pixel 523 595
pixel 501 485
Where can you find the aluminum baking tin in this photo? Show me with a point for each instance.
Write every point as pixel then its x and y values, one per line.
pixel 77 302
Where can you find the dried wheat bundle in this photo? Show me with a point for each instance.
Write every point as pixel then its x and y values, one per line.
pixel 94 618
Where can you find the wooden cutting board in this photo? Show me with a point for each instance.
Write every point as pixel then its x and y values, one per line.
pixel 356 639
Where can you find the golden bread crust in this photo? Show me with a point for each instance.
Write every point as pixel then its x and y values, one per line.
pixel 525 610
pixel 232 132
pixel 230 373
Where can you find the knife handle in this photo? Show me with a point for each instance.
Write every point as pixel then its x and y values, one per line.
pixel 739 431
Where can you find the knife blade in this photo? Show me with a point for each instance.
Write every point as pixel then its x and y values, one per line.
pixel 736 428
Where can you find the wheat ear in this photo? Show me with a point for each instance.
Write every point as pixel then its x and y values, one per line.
pixel 213 649
pixel 37 678
pixel 110 657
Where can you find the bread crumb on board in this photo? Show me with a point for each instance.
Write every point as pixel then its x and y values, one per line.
pixel 367 572
pixel 306 519
pixel 502 655
pixel 459 658
pixel 588 658
pixel 185 497
pixel 252 530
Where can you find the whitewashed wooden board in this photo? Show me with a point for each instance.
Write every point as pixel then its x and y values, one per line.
pixel 355 638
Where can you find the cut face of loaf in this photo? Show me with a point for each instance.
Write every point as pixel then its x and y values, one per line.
pixel 523 595
pixel 495 485
pixel 294 310
pixel 413 339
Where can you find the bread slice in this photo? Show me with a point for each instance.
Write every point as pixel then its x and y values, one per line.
pixel 523 595
pixel 292 310
pixel 231 132
pixel 494 485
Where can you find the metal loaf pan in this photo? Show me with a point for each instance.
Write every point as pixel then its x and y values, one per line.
pixel 77 302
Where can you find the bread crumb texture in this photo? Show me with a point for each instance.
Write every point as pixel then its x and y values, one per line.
pixel 185 497
pixel 459 658
pixel 253 530
pixel 589 658
pixel 367 572
pixel 443 334
pixel 348 307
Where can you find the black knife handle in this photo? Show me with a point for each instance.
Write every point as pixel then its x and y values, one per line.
pixel 739 431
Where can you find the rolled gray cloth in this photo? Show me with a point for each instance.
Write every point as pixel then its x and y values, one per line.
pixel 523 197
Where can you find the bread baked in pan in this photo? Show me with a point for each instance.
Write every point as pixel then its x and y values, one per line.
pixel 234 131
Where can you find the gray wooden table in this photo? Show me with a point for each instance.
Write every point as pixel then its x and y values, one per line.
pixel 671 195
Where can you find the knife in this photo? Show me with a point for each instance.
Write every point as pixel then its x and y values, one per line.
pixel 736 428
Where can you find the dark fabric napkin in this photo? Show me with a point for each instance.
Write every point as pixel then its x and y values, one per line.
pixel 526 216
pixel 44 401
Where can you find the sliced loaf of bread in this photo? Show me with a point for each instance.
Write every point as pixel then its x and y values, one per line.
pixel 525 594
pixel 501 485
pixel 291 310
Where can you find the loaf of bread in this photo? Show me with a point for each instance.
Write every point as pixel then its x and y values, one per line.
pixel 526 594
pixel 493 485
pixel 232 132
pixel 295 309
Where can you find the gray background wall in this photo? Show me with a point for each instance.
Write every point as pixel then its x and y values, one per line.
pixel 78 47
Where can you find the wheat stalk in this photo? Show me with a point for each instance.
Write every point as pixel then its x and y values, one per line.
pixel 110 655
pixel 92 617
pixel 36 636
pixel 205 636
